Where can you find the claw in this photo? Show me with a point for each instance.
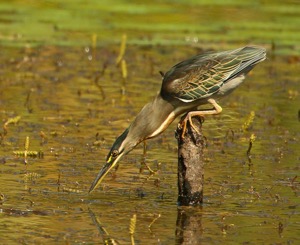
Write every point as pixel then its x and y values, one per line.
pixel 183 126
pixel 188 118
pixel 216 110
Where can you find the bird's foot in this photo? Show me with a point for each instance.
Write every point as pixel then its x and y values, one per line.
pixel 188 118
pixel 216 110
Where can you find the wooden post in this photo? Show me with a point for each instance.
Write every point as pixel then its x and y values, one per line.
pixel 190 164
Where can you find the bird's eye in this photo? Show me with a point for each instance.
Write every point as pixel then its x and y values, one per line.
pixel 115 153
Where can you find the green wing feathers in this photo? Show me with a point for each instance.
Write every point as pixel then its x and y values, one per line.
pixel 204 74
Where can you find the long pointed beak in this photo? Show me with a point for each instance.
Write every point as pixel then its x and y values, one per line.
pixel 103 172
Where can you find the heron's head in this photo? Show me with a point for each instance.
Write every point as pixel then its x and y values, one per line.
pixel 139 130
pixel 121 147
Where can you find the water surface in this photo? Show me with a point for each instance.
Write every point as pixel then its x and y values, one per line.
pixel 72 102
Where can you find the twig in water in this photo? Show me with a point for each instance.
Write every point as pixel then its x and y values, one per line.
pixel 26 153
pixel 94 40
pixel 102 231
pixel 132 228
pixel 154 220
pixel 122 49
pixel 124 69
pixel 252 139
pixel 249 121
pixel 14 120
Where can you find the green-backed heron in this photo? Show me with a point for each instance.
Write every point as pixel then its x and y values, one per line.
pixel 191 83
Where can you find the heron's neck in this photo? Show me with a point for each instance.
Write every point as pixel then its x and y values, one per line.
pixel 153 119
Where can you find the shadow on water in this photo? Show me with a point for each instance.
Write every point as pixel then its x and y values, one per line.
pixel 61 108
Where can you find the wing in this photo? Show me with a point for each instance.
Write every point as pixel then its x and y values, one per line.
pixel 203 75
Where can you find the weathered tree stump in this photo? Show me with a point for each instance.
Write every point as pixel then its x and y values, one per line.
pixel 190 164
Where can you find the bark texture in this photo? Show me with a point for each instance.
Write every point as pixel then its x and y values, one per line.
pixel 190 164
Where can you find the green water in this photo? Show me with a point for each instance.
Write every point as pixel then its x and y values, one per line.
pixel 58 74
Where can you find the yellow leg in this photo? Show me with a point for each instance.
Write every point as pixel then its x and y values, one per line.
pixel 216 110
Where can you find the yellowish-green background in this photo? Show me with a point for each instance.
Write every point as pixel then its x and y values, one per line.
pixel 218 23
pixel 58 73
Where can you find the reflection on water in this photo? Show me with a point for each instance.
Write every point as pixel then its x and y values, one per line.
pixel 63 113
pixel 189 226
pixel 70 103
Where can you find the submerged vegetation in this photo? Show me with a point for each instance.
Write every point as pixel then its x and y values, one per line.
pixel 73 75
